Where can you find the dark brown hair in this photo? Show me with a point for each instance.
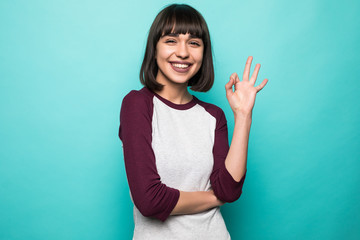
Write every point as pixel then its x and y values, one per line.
pixel 180 19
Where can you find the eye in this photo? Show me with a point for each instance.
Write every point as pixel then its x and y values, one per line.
pixel 195 43
pixel 170 41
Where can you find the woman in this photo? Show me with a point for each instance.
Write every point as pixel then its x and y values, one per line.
pixel 179 166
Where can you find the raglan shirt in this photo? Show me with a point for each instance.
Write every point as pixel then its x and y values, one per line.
pixel 169 148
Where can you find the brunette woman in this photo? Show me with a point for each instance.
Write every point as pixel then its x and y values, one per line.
pixel 179 166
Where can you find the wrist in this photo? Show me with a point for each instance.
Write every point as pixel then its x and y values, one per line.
pixel 243 115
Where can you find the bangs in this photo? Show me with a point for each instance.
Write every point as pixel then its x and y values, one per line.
pixel 181 20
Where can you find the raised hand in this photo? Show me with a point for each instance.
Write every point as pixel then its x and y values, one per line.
pixel 242 100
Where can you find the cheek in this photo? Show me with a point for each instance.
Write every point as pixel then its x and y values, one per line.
pixel 167 53
pixel 162 53
pixel 161 59
pixel 199 57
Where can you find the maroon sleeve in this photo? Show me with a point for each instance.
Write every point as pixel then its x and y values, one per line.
pixel 223 184
pixel 150 196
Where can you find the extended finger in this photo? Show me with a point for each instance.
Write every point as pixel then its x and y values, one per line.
pixel 247 69
pixel 261 85
pixel 255 74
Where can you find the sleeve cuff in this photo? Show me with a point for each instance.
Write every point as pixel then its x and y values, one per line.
pixel 171 206
pixel 226 188
pixel 231 181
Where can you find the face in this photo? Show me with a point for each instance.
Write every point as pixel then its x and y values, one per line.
pixel 179 58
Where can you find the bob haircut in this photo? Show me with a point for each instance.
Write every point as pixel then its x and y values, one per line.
pixel 180 19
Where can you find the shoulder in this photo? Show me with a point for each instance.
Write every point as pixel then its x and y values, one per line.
pixel 137 104
pixel 213 109
pixel 138 98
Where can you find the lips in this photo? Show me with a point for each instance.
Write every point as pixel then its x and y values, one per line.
pixel 181 67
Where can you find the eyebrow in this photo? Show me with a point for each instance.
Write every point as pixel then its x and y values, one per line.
pixel 177 35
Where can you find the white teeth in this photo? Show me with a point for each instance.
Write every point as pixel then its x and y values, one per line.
pixel 180 65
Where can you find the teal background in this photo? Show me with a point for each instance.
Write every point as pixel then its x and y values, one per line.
pixel 66 65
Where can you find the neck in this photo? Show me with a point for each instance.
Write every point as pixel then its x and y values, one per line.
pixel 175 92
pixel 175 95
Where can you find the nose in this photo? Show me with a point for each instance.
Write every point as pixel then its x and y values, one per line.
pixel 182 51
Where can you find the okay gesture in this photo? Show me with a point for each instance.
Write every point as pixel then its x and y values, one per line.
pixel 242 100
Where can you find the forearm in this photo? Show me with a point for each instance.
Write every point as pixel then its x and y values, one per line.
pixel 195 202
pixel 236 158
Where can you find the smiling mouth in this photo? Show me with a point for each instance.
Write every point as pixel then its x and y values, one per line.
pixel 180 65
